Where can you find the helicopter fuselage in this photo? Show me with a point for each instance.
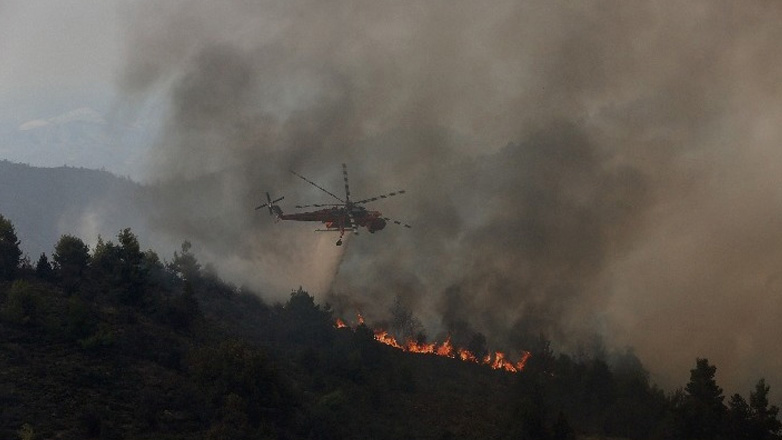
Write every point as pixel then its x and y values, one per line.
pixel 339 218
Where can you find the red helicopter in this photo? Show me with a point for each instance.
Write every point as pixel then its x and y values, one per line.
pixel 337 217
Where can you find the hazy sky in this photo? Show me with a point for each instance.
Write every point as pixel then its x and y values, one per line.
pixel 57 55
pixel 575 167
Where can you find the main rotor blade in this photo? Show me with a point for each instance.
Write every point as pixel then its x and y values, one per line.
pixel 316 185
pixel 383 196
pixel 347 187
pixel 397 222
pixel 318 205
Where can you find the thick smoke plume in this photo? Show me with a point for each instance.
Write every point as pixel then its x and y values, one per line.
pixel 572 168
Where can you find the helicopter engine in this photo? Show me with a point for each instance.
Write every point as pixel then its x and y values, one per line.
pixel 376 225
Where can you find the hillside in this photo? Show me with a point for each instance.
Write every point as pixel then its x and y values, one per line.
pixel 45 203
pixel 113 343
pixel 105 351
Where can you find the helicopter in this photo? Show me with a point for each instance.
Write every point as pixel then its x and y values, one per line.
pixel 342 217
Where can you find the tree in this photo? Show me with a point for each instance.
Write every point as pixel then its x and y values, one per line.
pixel 181 311
pixel 155 270
pixel 121 268
pixel 185 264
pixel 71 257
pixel 23 305
pixel 43 269
pixel 765 424
pixel 131 251
pixel 542 360
pixel 105 260
pixel 306 321
pixel 703 411
pixel 403 324
pixel 10 254
pixel 244 383
pixel 739 415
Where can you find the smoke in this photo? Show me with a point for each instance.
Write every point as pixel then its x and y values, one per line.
pixel 571 168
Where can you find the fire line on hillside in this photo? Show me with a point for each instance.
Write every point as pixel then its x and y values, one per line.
pixel 496 361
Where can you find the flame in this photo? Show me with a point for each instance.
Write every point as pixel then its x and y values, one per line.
pixel 523 361
pixel 501 363
pixel 419 347
pixel 446 349
pixel 496 361
pixel 467 356
pixel 385 338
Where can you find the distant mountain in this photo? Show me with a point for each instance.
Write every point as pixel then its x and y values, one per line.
pixel 44 203
pixel 83 115
pixel 82 137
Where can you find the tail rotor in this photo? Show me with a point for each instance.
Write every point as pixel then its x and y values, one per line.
pixel 270 204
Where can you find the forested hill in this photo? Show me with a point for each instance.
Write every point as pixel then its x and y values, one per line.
pixel 45 203
pixel 114 343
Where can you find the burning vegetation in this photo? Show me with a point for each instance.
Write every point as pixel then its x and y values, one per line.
pixel 495 360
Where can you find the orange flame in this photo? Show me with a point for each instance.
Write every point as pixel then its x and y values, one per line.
pixel 385 338
pixel 467 356
pixel 419 347
pixel 446 349
pixel 501 363
pixel 523 361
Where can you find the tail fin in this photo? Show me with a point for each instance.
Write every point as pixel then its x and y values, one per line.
pixel 274 210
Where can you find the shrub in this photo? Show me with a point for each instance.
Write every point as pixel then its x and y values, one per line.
pixel 22 303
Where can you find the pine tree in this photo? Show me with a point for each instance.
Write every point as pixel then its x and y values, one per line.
pixel 185 264
pixel 765 424
pixel 703 410
pixel 739 415
pixel 10 254
pixel 43 269
pixel 71 258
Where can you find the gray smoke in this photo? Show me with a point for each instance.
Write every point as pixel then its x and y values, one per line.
pixel 572 168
